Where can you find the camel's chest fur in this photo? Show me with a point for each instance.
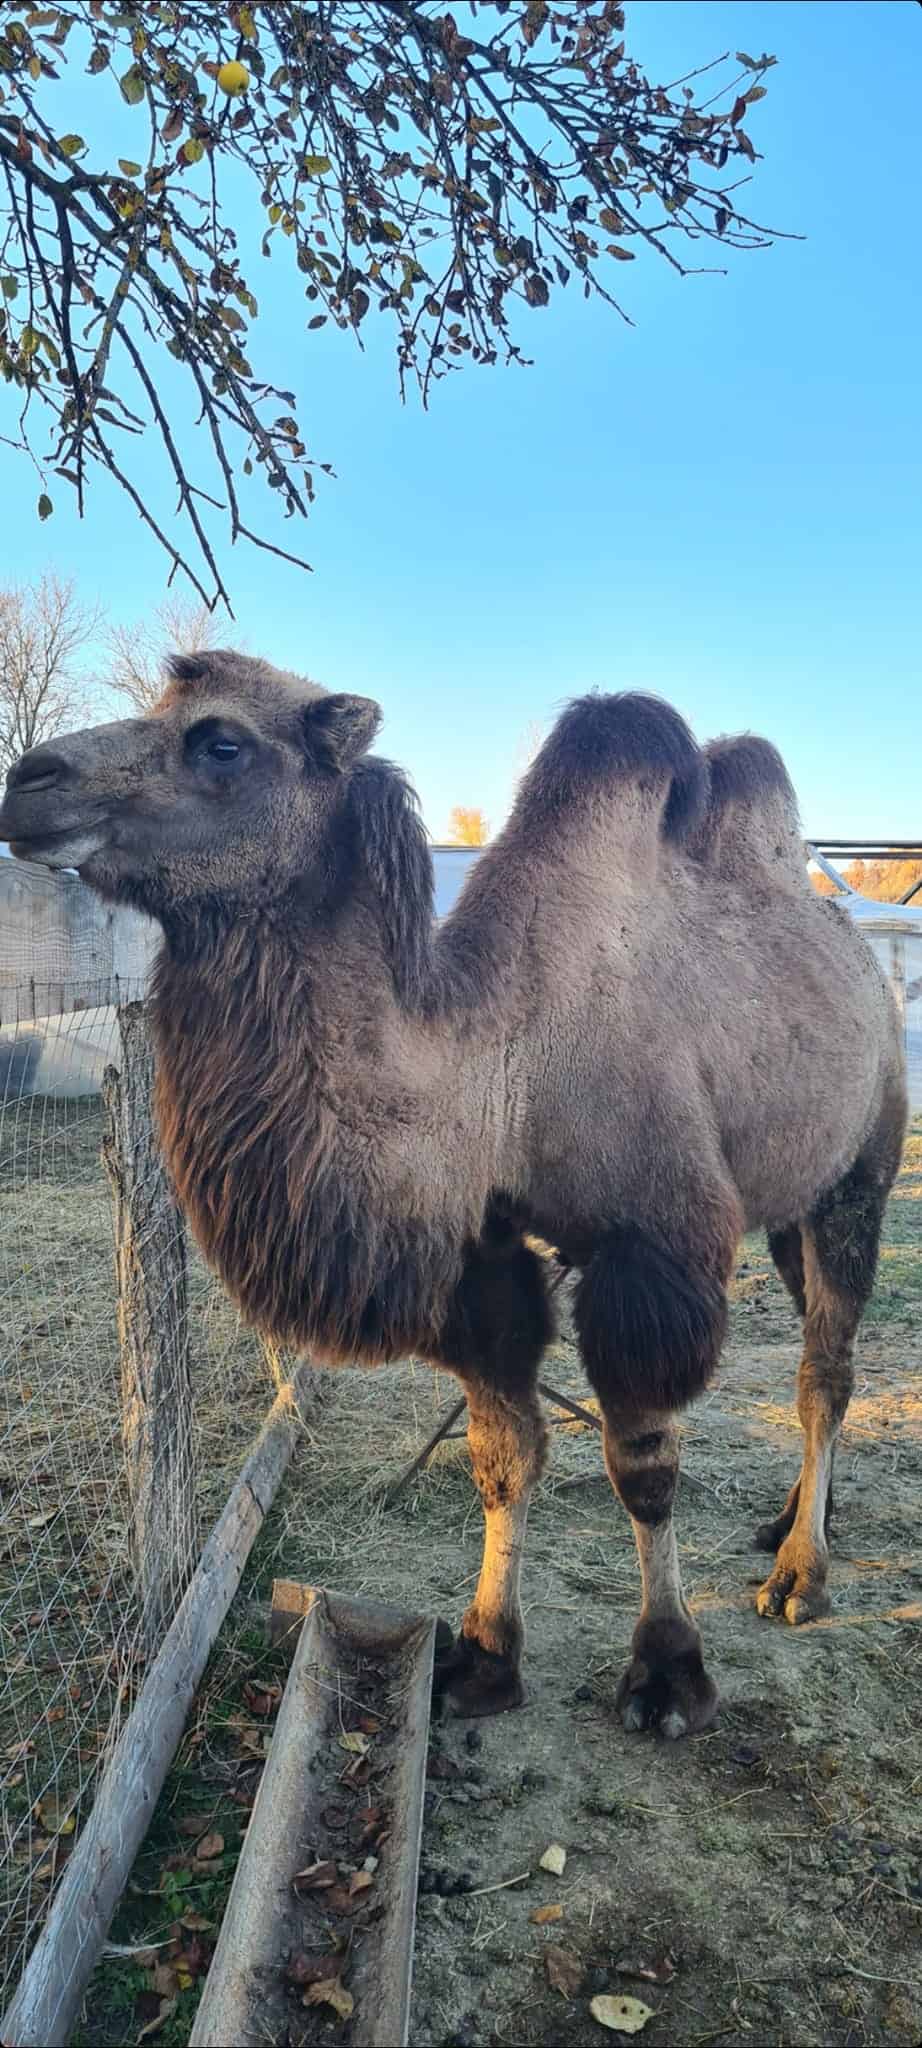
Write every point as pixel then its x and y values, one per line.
pixel 288 1198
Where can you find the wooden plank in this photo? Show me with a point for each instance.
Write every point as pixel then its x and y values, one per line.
pixel 47 2002
pixel 153 1330
pixel 246 1996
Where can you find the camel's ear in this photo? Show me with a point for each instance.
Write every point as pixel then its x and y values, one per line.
pixel 338 729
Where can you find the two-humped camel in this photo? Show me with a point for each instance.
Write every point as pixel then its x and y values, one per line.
pixel 638 1034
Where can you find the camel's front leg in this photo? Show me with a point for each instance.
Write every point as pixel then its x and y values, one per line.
pixel 650 1327
pixel 507 1438
pixel 665 1685
pixel 494 1339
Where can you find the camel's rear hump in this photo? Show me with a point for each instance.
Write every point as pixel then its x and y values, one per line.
pixel 750 820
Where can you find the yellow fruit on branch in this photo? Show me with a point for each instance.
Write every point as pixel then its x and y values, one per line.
pixel 233 78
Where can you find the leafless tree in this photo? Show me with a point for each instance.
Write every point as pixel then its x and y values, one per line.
pixel 43 629
pixel 137 652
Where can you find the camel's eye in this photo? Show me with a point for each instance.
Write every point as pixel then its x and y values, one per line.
pixel 211 746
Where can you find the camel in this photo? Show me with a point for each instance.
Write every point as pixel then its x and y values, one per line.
pixel 638 1034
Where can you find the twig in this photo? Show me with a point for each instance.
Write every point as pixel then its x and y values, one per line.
pixel 502 1886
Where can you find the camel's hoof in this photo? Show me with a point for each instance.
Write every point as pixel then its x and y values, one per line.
pixel 665 1685
pixel 478 1681
pixel 796 1594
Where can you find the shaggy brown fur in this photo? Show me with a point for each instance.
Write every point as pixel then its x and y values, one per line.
pixel 638 1034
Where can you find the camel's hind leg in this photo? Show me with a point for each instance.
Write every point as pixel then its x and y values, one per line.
pixel 839 1258
pixel 497 1332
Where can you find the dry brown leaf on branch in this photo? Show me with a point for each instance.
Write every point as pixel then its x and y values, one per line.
pixel 315 1878
pixel 563 1970
pixel 209 1847
pixel 332 1992
pixel 620 2015
pixel 543 1915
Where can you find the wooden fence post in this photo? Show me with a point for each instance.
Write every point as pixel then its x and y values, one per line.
pixel 156 1390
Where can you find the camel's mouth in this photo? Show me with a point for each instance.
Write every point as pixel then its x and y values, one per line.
pixel 70 849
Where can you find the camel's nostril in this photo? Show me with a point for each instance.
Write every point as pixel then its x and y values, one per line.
pixel 37 770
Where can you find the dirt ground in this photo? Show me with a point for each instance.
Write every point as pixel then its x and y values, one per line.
pixel 768 1874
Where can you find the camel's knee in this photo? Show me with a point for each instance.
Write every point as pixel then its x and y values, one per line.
pixel 508 1445
pixel 650 1326
pixel 642 1459
pixel 825 1384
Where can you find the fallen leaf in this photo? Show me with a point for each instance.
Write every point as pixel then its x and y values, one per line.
pixel 563 1970
pixel 620 2015
pixel 331 1991
pixel 197 1923
pixel 57 1816
pixel 304 1969
pixel 370 1725
pixel 554 1859
pixel 194 1824
pixel 371 1821
pixel 355 1742
pixel 357 1772
pixel 163 1980
pixel 338 1900
pixel 262 1699
pixel 153 2026
pixel 359 1882
pixel 209 1847
pixel 316 1877
pixel 41 1521
pixel 656 1973
pixel 542 1915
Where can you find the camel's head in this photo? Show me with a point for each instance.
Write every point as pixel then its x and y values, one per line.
pixel 225 793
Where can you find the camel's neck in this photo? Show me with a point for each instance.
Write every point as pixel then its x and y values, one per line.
pixel 306 1121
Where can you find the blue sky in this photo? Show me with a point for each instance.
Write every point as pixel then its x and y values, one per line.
pixel 722 504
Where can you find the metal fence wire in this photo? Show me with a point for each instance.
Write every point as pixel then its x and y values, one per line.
pixel 73 1641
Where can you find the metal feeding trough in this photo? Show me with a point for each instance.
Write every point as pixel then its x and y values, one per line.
pixel 322 1908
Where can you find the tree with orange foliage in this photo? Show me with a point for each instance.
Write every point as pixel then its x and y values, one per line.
pixel 467 826
pixel 884 880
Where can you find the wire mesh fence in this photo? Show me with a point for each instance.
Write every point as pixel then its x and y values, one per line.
pixel 74 1637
